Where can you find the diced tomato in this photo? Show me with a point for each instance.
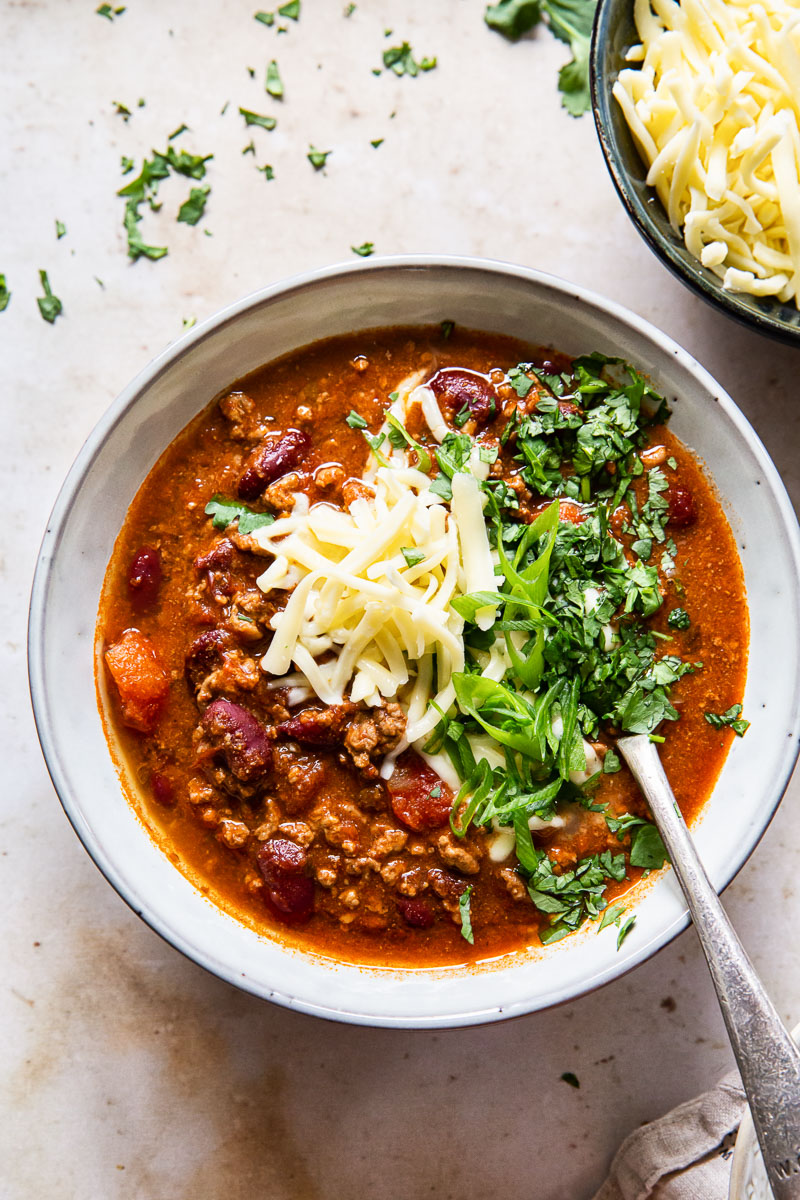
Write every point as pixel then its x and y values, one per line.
pixel 420 799
pixel 140 679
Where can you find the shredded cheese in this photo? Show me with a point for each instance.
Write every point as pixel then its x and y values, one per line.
pixel 715 109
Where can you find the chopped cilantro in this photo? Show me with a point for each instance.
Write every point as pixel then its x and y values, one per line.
pixel 290 10
pixel 447 328
pixel 49 305
pixel 250 148
pixel 137 247
pixel 351 8
pixel 364 250
pixel 647 848
pixel 318 158
pixel 224 512
pixel 400 59
pixel 513 18
pixel 732 719
pixel 126 164
pixel 192 209
pixel 106 10
pixel 5 294
pixel 571 22
pixel 572 1079
pixel 122 110
pixel 377 142
pixel 177 132
pixel 252 118
pixel 267 171
pixel 412 557
pixel 61 230
pixel 266 18
pixel 611 763
pixel 274 83
pixel 465 914
pixel 625 930
pixel 679 619
pixel 188 322
pixel 611 915
pixel 355 421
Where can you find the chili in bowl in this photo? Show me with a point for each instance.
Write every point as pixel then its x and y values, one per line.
pixel 370 626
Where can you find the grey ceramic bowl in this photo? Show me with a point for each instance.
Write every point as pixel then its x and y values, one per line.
pixel 614 32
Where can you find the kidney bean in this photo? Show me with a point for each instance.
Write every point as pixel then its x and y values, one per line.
pixel 457 389
pixel 682 511
pixel 140 679
pixel 270 461
pixel 218 557
pixel 420 799
pixel 205 654
pixel 144 575
pixel 318 726
pixel 289 890
pixel 239 737
pixel 163 789
pixel 417 913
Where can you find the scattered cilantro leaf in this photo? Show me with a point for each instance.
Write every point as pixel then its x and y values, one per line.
pixel 351 8
pixel 250 148
pixel 513 18
pixel 122 110
pixel 126 164
pixel 224 512
pixel 252 118
pixel 732 719
pixel 355 421
pixel 290 10
pixel 647 848
pixel 364 250
pixel 679 619
pixel 106 10
pixel 317 158
pixel 5 294
pixel 267 171
pixel 377 142
pixel 465 914
pixel 400 59
pixel 266 18
pixel 611 915
pixel 625 930
pixel 49 305
pixel 572 1079
pixel 192 209
pixel 137 247
pixel 177 132
pixel 61 230
pixel 188 322
pixel 411 556
pixel 274 83
pixel 447 328
pixel 611 763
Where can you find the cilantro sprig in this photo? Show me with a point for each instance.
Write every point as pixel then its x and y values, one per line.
pixel 568 20
pixel 732 719
pixel 224 512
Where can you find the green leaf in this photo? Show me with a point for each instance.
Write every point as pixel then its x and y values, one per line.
pixel 625 930
pixel 468 605
pixel 224 512
pixel 192 209
pixel 513 18
pixel 274 83
pixel 412 557
pixel 364 250
pixel 647 849
pixel 731 719
pixel 49 305
pixel 182 128
pixel 679 619
pixel 466 916
pixel 253 118
pixel 5 294
pixel 290 10
pixel 61 230
pixel 571 22
pixel 377 142
pixel 355 420
pixel 317 158
pixel 571 1079
pixel 611 763
pixel 267 171
pixel 400 59
pixel 266 18
pixel 447 328
pixel 137 248
pixel 611 915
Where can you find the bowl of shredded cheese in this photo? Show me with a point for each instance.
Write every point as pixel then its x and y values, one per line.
pixel 697 107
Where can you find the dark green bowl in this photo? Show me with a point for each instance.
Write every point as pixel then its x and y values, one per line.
pixel 614 32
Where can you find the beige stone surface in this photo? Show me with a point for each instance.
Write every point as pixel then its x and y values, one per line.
pixel 127 1071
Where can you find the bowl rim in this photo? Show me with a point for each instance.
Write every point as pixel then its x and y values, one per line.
pixel 713 294
pixel 69 494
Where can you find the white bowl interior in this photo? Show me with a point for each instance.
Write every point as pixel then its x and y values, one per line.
pixel 158 404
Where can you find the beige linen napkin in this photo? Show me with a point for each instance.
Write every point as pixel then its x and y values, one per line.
pixel 684 1155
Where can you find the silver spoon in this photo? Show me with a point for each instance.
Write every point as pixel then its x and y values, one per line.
pixel 768 1060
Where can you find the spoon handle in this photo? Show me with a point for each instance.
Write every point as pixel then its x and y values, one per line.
pixel 769 1061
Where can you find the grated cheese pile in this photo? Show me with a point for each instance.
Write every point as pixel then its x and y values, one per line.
pixel 364 618
pixel 715 107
